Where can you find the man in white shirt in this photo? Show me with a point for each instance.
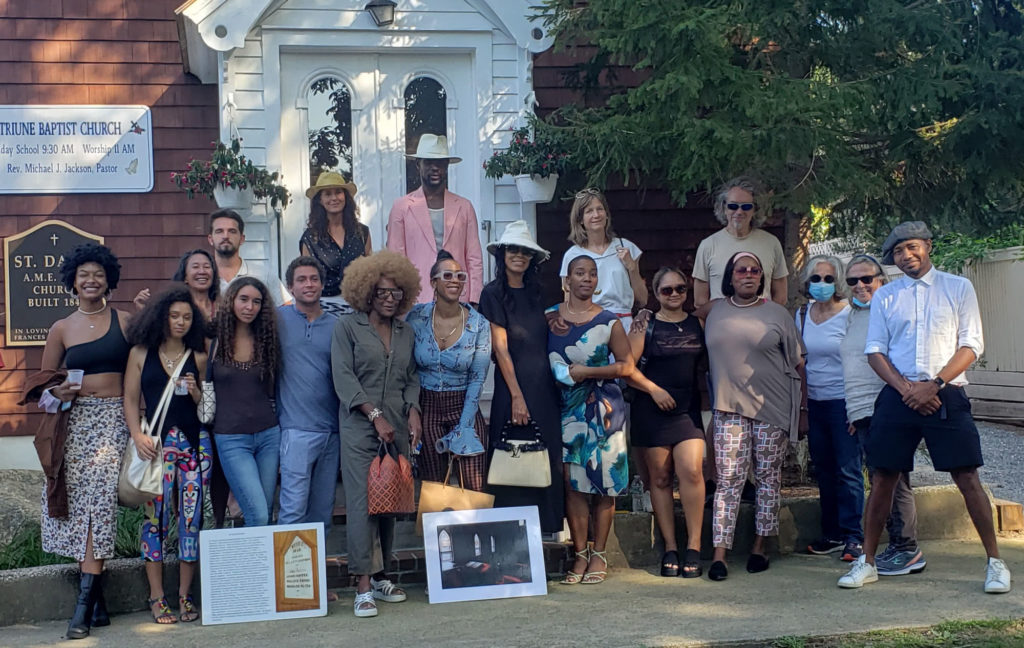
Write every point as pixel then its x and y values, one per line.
pixel 227 233
pixel 924 332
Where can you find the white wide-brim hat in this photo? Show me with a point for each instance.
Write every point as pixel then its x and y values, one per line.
pixel 518 233
pixel 433 147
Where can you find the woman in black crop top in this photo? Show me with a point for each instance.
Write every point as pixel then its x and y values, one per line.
pixel 168 331
pixel 88 339
pixel 246 433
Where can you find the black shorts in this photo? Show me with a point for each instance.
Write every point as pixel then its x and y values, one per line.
pixel 950 433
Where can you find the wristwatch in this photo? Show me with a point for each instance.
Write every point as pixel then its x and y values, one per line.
pixel 374 414
pixel 939 381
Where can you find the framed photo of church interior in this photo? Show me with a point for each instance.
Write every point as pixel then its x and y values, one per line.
pixel 484 554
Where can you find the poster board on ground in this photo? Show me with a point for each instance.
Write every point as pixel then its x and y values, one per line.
pixel 263 573
pixel 484 554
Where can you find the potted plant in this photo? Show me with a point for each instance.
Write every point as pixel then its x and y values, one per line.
pixel 535 162
pixel 231 179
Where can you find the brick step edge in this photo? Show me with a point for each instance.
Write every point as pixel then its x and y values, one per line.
pixel 408 566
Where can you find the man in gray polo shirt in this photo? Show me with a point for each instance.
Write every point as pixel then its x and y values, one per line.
pixel 307 405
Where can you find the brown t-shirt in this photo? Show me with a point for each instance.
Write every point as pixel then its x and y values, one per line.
pixel 754 353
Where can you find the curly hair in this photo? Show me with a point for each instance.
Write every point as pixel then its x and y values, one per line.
pixel 266 351
pixel 179 274
pixel 752 186
pixel 577 231
pixel 317 221
pixel 362 275
pixel 150 327
pixel 531 280
pixel 90 253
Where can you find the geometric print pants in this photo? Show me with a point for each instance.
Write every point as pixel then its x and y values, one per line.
pixel 738 441
pixel 186 477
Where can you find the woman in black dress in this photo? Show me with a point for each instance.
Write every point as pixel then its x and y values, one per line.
pixel 666 425
pixel 334 236
pixel 524 388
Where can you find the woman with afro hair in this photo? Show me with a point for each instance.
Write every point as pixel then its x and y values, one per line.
pixel 374 373
pixel 91 341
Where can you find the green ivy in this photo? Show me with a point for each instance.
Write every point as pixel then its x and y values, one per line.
pixel 953 251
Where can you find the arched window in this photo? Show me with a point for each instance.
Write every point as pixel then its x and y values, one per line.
pixel 425 112
pixel 477 547
pixel 330 127
pixel 444 546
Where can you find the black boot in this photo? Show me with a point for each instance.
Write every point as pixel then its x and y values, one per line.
pixel 78 627
pixel 100 618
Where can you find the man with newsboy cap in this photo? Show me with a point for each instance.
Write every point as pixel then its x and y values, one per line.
pixel 923 334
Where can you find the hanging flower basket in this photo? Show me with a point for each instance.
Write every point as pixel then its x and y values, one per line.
pixel 228 170
pixel 233 197
pixel 535 189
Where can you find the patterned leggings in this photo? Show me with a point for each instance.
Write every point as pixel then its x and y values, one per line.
pixel 187 475
pixel 739 439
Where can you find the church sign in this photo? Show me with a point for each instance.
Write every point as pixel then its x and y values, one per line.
pixel 33 294
pixel 76 149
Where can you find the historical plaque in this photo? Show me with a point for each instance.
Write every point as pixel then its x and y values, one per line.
pixel 297 584
pixel 33 294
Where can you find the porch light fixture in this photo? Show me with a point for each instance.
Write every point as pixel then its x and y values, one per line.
pixel 382 11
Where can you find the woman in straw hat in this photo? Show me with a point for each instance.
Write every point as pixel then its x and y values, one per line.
pixel 524 389
pixel 334 236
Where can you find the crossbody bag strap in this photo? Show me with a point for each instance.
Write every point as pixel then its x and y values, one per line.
pixel 803 319
pixel 648 338
pixel 209 362
pixel 165 399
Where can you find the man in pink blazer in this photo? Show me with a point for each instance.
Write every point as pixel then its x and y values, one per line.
pixel 432 218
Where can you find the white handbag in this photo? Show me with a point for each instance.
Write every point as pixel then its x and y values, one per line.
pixel 206 410
pixel 141 480
pixel 520 463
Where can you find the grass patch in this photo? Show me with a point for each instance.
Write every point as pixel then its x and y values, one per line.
pixel 991 633
pixel 26 548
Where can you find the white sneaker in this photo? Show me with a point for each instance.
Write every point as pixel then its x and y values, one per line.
pixel 861 573
pixel 997 578
pixel 364 605
pixel 385 590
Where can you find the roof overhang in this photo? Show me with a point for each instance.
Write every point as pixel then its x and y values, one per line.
pixel 206 27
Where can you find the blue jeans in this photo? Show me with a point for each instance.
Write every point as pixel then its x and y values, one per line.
pixel 250 465
pixel 837 461
pixel 309 475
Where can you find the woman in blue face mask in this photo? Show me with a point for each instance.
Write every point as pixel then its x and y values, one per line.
pixel 835 452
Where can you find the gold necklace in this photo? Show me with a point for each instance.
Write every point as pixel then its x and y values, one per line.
pixel 678 324
pixel 170 363
pixel 444 338
pixel 583 312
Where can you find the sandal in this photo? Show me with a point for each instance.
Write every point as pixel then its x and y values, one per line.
pixel 670 563
pixel 187 610
pixel 364 605
pixel 691 565
pixel 595 577
pixel 571 577
pixel 162 614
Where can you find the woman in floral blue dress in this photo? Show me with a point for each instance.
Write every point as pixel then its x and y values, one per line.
pixel 588 349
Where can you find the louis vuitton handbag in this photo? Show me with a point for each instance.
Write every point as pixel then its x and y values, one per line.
pixel 444 496
pixel 389 484
pixel 520 463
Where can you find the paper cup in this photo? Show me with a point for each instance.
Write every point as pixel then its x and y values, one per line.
pixel 75 377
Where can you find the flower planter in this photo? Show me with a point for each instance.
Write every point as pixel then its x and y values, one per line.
pixel 535 189
pixel 233 198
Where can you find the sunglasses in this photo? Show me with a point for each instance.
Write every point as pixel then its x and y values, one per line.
pixel 753 271
pixel 452 275
pixel 740 206
pixel 589 191
pixel 866 279
pixel 666 291
pixel 827 279
pixel 384 293
pixel 518 249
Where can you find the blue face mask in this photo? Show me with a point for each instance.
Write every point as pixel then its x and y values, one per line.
pixel 859 304
pixel 822 291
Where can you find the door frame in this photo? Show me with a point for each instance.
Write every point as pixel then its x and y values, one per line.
pixel 466 176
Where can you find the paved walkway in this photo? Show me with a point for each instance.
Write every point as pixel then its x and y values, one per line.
pixel 797 596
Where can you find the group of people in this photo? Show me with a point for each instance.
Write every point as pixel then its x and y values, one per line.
pixel 394 347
